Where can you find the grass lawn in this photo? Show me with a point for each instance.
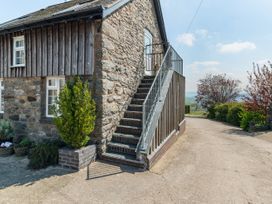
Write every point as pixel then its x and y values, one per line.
pixel 201 114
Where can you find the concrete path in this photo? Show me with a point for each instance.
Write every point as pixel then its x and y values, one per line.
pixel 211 163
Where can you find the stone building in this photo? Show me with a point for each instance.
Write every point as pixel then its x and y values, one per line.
pixel 109 42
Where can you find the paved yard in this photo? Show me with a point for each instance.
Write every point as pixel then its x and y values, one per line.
pixel 211 163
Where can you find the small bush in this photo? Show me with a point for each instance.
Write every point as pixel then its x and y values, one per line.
pixel 25 142
pixel 187 109
pixel 43 155
pixel 6 130
pixel 252 120
pixel 221 112
pixel 75 114
pixel 234 114
pixel 211 112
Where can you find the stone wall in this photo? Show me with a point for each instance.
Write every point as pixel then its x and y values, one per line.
pixel 122 40
pixel 23 105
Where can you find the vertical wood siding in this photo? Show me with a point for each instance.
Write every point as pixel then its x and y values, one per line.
pixel 173 112
pixel 60 49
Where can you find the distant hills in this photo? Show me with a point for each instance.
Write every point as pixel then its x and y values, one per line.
pixel 190 97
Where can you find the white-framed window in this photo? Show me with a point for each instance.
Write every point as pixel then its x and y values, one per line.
pixel 1 96
pixel 53 87
pixel 19 51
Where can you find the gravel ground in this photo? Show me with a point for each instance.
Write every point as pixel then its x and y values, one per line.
pixel 210 163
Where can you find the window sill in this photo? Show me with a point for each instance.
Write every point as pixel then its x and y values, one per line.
pixel 18 66
pixel 46 120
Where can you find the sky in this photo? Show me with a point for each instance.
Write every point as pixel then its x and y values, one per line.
pixel 225 36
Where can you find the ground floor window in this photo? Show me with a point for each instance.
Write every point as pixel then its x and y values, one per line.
pixel 53 87
pixel 1 96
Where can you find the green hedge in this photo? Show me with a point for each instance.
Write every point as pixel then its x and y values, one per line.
pixel 221 112
pixel 187 109
pixel 211 112
pixel 253 121
pixel 234 114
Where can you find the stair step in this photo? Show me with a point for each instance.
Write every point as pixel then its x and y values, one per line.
pixel 145 85
pixel 140 95
pixel 134 114
pixel 123 159
pixel 147 81
pixel 114 147
pixel 143 90
pixel 129 130
pixel 149 77
pixel 125 138
pixel 137 101
pixel 131 122
pixel 135 108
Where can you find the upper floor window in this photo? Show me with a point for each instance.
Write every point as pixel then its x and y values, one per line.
pixel 53 88
pixel 19 51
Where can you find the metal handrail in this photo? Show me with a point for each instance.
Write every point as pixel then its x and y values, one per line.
pixel 170 61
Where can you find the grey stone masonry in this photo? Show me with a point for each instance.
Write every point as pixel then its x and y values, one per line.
pixel 77 159
pixel 122 61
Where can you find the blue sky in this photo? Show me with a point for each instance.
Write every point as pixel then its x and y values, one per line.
pixel 226 36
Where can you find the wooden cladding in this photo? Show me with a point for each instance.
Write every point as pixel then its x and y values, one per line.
pixel 172 113
pixel 57 50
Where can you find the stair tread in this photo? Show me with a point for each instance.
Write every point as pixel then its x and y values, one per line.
pixel 129 126
pixel 122 145
pixel 126 135
pixel 134 111
pixel 123 157
pixel 136 105
pixel 132 119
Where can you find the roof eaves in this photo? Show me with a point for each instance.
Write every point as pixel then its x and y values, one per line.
pixel 109 11
pixel 158 9
pixel 96 12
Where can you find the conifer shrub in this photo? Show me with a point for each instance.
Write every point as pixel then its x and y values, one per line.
pixel 75 113
pixel 43 155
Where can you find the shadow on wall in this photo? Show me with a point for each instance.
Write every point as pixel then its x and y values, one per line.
pixel 14 172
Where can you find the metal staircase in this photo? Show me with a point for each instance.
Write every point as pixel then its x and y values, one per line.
pixel 122 148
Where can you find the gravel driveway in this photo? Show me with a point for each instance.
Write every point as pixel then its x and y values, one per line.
pixel 211 163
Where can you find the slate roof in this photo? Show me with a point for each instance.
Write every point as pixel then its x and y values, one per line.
pixel 58 10
pixel 75 8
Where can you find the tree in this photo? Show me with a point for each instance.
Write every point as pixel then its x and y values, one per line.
pixel 75 113
pixel 215 89
pixel 259 89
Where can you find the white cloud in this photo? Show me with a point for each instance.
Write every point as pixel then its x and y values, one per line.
pixel 202 67
pixel 235 47
pixel 202 33
pixel 205 63
pixel 186 39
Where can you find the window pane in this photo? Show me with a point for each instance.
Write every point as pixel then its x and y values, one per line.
pixel 2 96
pixel 52 82
pixel 19 43
pixel 51 110
pixel 18 54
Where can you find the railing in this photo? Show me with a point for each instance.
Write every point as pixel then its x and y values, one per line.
pixel 170 61
pixel 154 55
